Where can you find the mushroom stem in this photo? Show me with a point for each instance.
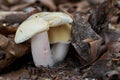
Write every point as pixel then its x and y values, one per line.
pixel 41 50
pixel 59 51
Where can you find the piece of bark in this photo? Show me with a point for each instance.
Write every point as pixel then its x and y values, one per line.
pixel 12 16
pixel 81 31
pixel 9 51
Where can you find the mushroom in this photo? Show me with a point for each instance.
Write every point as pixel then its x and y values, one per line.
pixel 53 19
pixel 36 29
pixel 59 33
pixel 59 37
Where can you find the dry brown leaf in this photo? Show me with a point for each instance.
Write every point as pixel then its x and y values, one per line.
pixel 49 3
pixel 6 29
pixel 12 16
pixel 19 7
pixel 81 31
pixel 11 51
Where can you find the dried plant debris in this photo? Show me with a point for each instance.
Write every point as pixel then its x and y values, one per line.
pixel 19 7
pixel 82 6
pixel 7 29
pixel 101 14
pixel 49 3
pixel 16 75
pixel 9 51
pixel 85 40
pixel 107 67
pixel 12 17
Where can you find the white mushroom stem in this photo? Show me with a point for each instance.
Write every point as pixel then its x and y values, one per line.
pixel 41 50
pixel 59 51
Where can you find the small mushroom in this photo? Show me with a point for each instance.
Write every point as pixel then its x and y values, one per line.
pixel 59 32
pixel 42 55
pixel 59 37
pixel 36 29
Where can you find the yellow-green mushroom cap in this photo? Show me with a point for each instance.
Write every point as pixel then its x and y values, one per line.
pixel 60 34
